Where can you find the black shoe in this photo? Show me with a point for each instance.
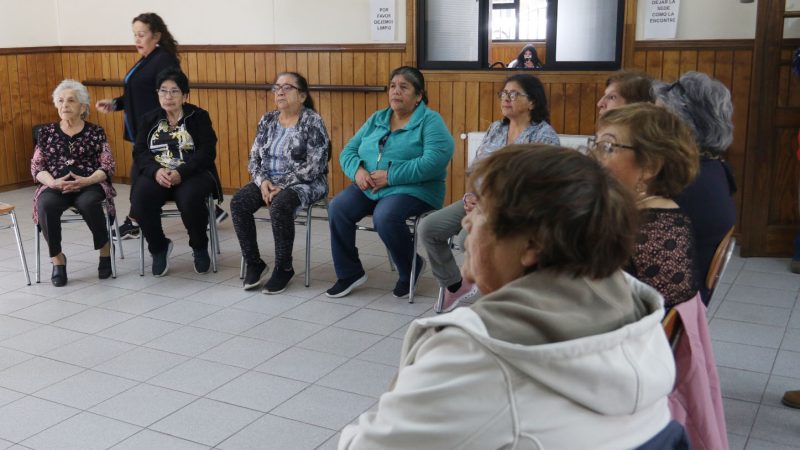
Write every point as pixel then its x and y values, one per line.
pixel 220 213
pixel 343 287
pixel 401 288
pixel 202 262
pixel 104 267
pixel 59 276
pixel 128 230
pixel 278 281
pixel 254 274
pixel 161 261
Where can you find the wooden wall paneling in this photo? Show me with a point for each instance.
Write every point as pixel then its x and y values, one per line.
pixel 588 108
pixel 337 178
pixel 556 103
pixel 360 112
pixel 723 67
pixel 222 119
pixel 783 180
pixel 640 59
pixel 349 124
pixel 706 59
pixel 485 106
pixel 458 126
pixel 371 79
pixel 229 110
pixel 740 95
pixel 253 114
pixel 572 111
pixel 280 63
pixel 291 62
pixel 302 64
pixel 6 124
pixel 671 65
pixel 240 151
pixel 688 62
pixel 24 76
pixel 446 110
pixel 654 63
pixel 324 108
pixel 383 68
pixel 22 137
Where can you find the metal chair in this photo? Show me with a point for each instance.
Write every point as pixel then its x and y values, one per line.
pixel 212 228
pixel 72 216
pixel 303 221
pixel 8 210
pixel 720 261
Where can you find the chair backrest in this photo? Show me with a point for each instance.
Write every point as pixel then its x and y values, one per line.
pixel 672 327
pixel 474 139
pixel 720 260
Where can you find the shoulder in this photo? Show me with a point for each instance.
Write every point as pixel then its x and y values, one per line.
pixel 163 58
pixel 195 112
pixel 310 117
pixel 95 129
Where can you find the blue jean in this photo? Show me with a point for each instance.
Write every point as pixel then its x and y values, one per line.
pixel 389 216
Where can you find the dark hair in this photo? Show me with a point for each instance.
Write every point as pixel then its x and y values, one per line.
pixel 157 25
pixel 413 76
pixel 302 86
pixel 662 143
pixel 633 85
pixel 534 89
pixel 537 63
pixel 174 74
pixel 579 219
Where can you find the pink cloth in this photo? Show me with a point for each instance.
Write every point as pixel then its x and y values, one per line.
pixel 696 400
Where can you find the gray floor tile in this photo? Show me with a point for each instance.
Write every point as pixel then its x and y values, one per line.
pixel 360 377
pixel 234 321
pixel 386 352
pixel 47 311
pixel 401 306
pixel 7 396
pixel 762 296
pixel 774 265
pixel 301 364
pixel 243 352
pixel 206 421
pixel 340 342
pixel 152 440
pixel 777 424
pixel 785 281
pixel 758 444
pixel 10 357
pixel 176 287
pixel 794 321
pixel 739 415
pixel 736 442
pixel 196 376
pixel 758 314
pixel 189 341
pixel 43 339
pixel 85 389
pixel 323 313
pixel 746 333
pixel 27 416
pixel 787 364
pixel 139 330
pixel 283 433
pixel 324 407
pixel 358 298
pixel 221 295
pixel 283 330
pixel 143 404
pixel 746 357
pixel 36 373
pixel 742 384
pixel 269 305
pixel 141 364
pixel 183 311
pixel 375 322
pixel 259 391
pixel 92 320
pixel 331 444
pixel 89 351
pixel 96 294
pixel 791 340
pixel 137 303
pixel 14 301
pixel 776 386
pixel 85 431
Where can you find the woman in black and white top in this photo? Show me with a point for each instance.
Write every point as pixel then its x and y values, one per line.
pixel 289 167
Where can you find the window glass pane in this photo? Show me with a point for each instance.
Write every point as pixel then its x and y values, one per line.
pixel 792 5
pixel 791 28
pixel 452 37
pixel 532 19
pixel 587 30
pixel 504 24
pixel 501 2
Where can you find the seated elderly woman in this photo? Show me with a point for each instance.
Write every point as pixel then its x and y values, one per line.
pixel 652 152
pixel 525 120
pixel 175 151
pixel 552 355
pixel 72 165
pixel 398 164
pixel 705 106
pixel 289 167
pixel 624 87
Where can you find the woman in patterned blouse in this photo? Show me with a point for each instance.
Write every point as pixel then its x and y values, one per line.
pixel 525 120
pixel 72 165
pixel 653 152
pixel 289 167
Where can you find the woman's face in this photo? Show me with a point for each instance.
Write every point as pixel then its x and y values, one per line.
pixel 170 97
pixel 621 162
pixel 403 98
pixel 68 106
pixel 144 39
pixel 490 262
pixel 610 100
pixel 520 107
pixel 287 96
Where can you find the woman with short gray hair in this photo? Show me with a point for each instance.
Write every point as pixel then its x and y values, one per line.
pixel 705 105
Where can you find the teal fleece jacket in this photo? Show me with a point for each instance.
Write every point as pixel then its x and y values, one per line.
pixel 416 156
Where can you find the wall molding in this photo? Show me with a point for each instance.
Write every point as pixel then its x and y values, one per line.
pixel 250 86
pixel 213 48
pixel 715 44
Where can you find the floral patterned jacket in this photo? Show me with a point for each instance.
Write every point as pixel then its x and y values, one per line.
pixel 86 152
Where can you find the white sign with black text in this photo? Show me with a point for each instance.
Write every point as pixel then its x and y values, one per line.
pixel 661 21
pixel 382 19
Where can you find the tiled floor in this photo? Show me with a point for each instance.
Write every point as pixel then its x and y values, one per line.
pixel 193 362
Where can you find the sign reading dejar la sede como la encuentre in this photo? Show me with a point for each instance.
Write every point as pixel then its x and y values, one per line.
pixel 661 21
pixel 382 19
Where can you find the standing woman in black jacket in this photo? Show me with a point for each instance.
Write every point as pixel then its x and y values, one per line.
pixel 159 50
pixel 175 151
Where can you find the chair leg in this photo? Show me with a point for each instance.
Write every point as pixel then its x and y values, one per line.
pixel 19 247
pixel 308 245
pixel 413 278
pixel 38 246
pixel 141 254
pixel 242 267
pixel 437 308
pixel 110 242
pixel 212 223
pixel 119 242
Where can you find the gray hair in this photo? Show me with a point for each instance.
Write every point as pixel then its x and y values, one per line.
pixel 80 91
pixel 705 105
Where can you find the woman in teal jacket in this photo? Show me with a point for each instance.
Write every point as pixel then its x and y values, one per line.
pixel 398 164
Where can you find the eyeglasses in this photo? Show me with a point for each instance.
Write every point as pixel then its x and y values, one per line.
pixel 284 88
pixel 169 92
pixel 604 149
pixel 511 95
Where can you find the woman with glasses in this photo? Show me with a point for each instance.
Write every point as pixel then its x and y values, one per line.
pixel 289 168
pixel 175 151
pixel 652 152
pixel 525 120
pixel 398 164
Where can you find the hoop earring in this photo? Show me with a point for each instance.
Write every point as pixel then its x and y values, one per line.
pixel 641 187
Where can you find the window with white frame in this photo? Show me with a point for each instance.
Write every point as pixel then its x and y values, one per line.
pixel 519 20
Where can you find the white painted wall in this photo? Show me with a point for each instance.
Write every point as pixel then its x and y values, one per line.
pixel 28 23
pixel 708 19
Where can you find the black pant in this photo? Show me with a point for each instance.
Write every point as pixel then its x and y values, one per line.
pixel 87 201
pixel 281 212
pixel 190 197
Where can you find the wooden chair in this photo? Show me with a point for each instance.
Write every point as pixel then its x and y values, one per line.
pixel 720 261
pixel 9 210
pixel 672 327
